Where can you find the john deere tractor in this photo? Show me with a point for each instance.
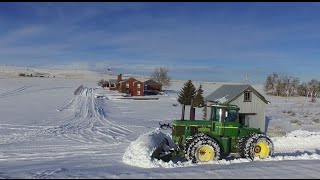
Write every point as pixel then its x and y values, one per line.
pixel 215 138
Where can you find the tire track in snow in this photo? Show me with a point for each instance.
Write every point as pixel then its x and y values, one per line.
pixel 89 121
pixel 23 90
pixel 59 148
pixel 14 92
pixel 88 124
pixel 44 152
pixel 22 127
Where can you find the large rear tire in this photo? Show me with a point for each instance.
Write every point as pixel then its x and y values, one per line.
pixel 260 146
pixel 203 149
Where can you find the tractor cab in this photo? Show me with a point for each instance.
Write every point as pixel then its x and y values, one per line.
pixel 225 119
pixel 224 113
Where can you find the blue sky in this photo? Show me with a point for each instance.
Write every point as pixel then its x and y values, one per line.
pixel 199 41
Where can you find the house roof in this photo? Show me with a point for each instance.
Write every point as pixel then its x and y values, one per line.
pixel 227 93
pixel 112 81
pixel 137 81
pixel 125 80
pixel 151 82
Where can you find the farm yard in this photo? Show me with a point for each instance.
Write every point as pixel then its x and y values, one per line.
pixel 49 132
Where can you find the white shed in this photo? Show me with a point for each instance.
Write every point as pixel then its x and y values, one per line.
pixel 251 103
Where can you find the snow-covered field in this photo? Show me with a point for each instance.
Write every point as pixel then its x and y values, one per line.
pixel 48 132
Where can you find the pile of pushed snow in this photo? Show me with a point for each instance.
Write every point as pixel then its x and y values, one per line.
pixel 298 140
pixel 139 152
pixel 302 133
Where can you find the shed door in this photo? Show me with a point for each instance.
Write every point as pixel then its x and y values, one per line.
pixel 245 118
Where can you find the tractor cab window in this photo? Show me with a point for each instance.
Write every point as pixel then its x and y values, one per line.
pixel 218 114
pixel 231 115
pixel 222 114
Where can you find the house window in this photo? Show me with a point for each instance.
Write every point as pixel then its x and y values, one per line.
pixel 138 93
pixel 127 85
pixel 138 86
pixel 112 85
pixel 247 96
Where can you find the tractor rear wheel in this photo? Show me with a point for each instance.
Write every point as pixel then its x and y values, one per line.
pixel 259 145
pixel 203 149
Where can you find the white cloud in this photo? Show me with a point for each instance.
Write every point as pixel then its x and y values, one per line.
pixel 21 33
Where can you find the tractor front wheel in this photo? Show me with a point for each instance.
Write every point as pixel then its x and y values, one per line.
pixel 203 149
pixel 189 140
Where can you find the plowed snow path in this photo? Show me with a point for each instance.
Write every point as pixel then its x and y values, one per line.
pixel 86 131
pixel 89 123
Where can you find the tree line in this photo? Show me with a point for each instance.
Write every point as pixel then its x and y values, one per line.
pixel 284 85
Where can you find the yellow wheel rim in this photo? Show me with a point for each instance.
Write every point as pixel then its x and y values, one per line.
pixel 261 150
pixel 205 153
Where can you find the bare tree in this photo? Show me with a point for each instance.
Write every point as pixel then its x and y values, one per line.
pixel 280 85
pixel 302 89
pixel 313 89
pixel 290 83
pixel 270 83
pixel 283 85
pixel 103 83
pixel 268 86
pixel 294 85
pixel 317 89
pixel 160 75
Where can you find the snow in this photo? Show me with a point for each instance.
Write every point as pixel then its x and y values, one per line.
pixel 48 132
pixel 222 99
pixel 139 151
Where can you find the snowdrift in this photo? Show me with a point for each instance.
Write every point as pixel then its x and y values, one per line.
pixel 139 151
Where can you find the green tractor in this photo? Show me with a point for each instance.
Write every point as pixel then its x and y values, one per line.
pixel 213 139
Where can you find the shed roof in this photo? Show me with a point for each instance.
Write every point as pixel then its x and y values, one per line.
pixel 227 93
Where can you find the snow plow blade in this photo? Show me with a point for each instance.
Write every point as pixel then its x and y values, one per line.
pixel 163 151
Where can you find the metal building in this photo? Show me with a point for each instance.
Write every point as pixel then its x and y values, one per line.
pixel 251 103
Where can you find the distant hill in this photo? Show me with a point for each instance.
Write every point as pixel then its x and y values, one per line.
pixel 13 72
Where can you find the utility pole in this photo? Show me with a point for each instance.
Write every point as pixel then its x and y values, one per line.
pixel 246 80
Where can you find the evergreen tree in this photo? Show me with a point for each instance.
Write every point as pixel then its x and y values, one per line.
pixel 197 101
pixel 186 95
